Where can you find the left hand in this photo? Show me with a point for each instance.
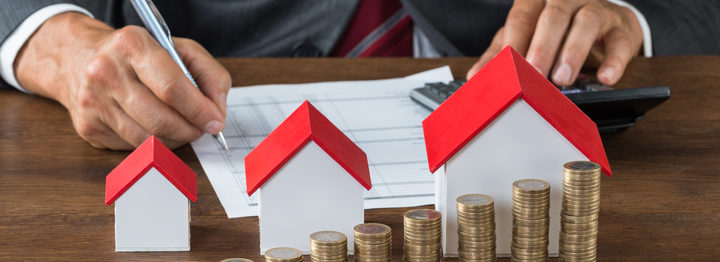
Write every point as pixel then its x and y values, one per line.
pixel 559 35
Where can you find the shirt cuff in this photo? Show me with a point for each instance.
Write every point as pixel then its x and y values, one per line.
pixel 647 37
pixel 15 40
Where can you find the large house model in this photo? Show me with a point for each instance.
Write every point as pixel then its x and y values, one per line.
pixel 506 123
pixel 152 189
pixel 309 177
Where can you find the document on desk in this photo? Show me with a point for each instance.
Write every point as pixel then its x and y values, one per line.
pixel 378 115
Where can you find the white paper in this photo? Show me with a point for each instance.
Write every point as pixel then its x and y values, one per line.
pixel 378 115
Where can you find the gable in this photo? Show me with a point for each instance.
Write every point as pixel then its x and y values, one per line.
pixel 305 124
pixel 506 78
pixel 152 187
pixel 310 169
pixel 150 154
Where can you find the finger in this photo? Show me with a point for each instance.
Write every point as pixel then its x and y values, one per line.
pixel 495 47
pixel 125 127
pixel 129 130
pixel 618 52
pixel 549 32
pixel 113 141
pixel 89 126
pixel 213 79
pixel 163 77
pixel 583 32
pixel 139 113
pixel 520 24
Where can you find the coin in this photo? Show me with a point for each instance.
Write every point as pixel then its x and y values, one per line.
pixel 283 254
pixel 234 259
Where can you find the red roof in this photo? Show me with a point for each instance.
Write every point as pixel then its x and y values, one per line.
pixel 302 126
pixel 506 78
pixel 152 153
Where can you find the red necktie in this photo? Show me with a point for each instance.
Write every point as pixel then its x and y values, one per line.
pixel 379 28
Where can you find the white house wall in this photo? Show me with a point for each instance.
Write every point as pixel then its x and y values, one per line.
pixel 310 193
pixel 153 215
pixel 519 144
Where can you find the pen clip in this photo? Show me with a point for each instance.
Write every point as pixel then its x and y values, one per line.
pixel 159 18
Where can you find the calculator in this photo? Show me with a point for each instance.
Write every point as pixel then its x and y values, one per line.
pixel 612 110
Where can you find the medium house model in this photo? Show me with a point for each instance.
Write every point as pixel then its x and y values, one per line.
pixel 309 177
pixel 506 123
pixel 152 189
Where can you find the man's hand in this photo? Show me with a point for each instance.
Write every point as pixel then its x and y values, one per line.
pixel 121 86
pixel 559 35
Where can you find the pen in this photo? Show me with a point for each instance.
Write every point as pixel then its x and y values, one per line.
pixel 157 27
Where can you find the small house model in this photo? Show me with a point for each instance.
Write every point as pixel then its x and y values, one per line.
pixel 309 177
pixel 506 123
pixel 152 189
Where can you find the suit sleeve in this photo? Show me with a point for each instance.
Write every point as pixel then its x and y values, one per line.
pixel 15 15
pixel 682 27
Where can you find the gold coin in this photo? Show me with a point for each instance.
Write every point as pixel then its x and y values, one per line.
pixel 372 231
pixel 475 201
pixel 422 215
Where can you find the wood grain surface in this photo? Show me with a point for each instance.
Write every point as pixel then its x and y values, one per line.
pixel 661 204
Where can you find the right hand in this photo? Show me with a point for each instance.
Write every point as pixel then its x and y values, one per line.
pixel 120 86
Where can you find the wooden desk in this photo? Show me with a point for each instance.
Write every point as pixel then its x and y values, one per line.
pixel 662 204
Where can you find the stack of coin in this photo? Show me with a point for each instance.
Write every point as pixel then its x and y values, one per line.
pixel 283 254
pixel 421 228
pixel 373 242
pixel 580 208
pixel 531 217
pixel 476 227
pixel 328 246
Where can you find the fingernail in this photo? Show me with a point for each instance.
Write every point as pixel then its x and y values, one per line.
pixel 563 74
pixel 222 101
pixel 213 127
pixel 608 74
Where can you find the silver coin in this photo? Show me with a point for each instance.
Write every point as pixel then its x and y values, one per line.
pixel 283 253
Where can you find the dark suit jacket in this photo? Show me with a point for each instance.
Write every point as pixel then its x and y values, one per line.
pixel 312 27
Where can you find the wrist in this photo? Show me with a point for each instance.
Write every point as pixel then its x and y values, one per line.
pixel 51 58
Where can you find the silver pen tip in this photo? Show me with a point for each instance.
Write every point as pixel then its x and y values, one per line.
pixel 221 138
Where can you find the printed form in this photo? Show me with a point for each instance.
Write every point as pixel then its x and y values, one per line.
pixel 378 115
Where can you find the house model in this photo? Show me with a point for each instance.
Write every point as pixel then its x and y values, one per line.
pixel 152 189
pixel 309 177
pixel 506 123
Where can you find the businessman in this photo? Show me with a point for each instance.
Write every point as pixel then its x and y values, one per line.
pixel 120 86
